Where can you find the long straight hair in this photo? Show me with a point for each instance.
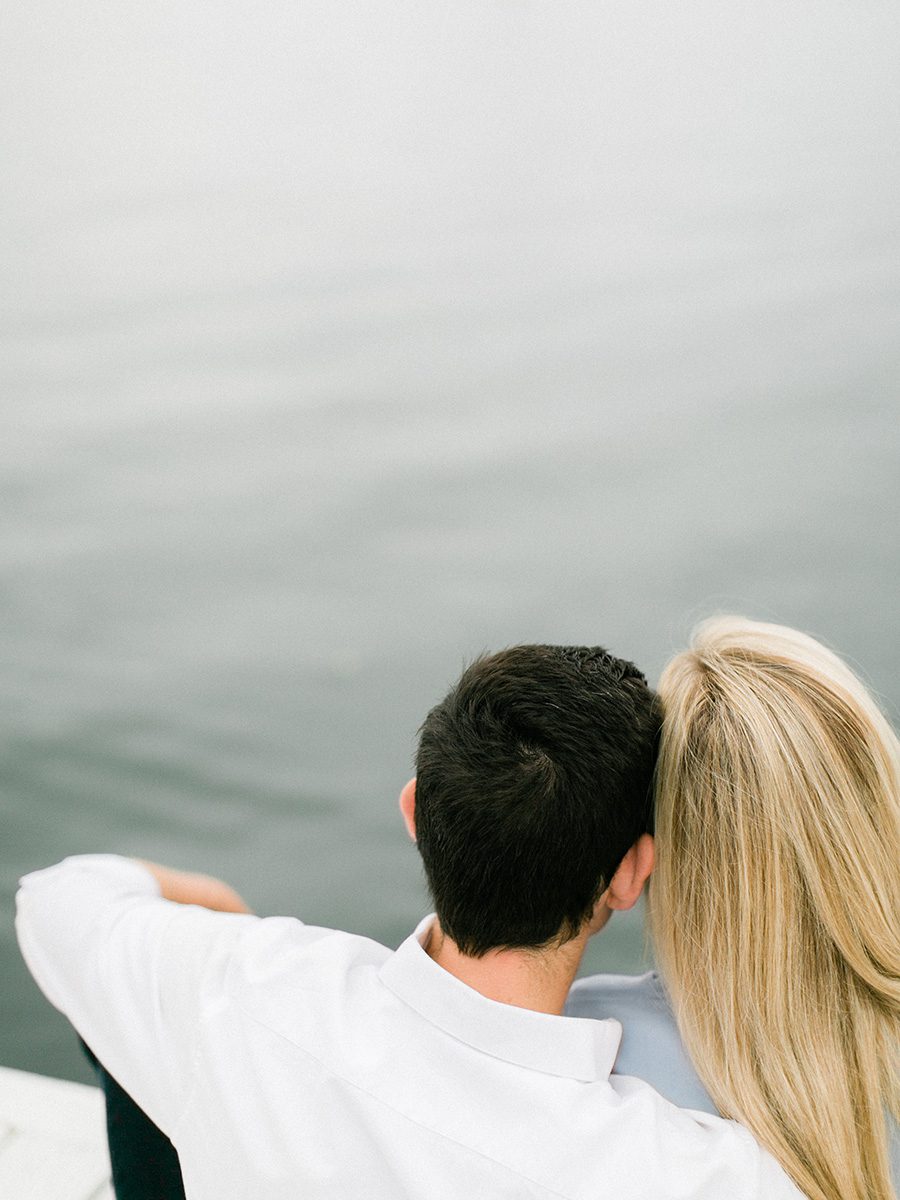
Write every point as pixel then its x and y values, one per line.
pixel 775 904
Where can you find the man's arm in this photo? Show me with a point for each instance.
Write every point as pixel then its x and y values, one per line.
pixel 187 887
pixel 133 971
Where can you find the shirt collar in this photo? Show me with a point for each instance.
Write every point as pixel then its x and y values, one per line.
pixel 572 1047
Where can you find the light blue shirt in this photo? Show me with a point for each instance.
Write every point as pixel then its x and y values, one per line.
pixel 651 1047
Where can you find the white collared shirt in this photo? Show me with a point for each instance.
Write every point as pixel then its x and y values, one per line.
pixel 286 1060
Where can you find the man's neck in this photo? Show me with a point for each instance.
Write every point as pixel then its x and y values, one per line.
pixel 535 979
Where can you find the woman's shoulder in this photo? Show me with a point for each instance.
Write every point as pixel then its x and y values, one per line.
pixel 651 1047
pixel 645 990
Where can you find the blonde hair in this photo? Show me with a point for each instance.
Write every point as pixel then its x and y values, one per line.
pixel 775 903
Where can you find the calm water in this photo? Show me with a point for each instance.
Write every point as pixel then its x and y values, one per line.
pixel 342 342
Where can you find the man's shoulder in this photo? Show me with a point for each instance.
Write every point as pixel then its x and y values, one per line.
pixel 674 1138
pixel 284 945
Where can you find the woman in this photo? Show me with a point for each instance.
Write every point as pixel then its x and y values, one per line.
pixel 775 905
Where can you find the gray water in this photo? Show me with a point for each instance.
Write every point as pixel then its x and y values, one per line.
pixel 341 342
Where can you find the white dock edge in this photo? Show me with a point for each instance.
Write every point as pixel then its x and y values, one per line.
pixel 52 1139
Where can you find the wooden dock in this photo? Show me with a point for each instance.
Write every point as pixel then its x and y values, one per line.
pixel 52 1139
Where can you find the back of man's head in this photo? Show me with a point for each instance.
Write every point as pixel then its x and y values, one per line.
pixel 533 780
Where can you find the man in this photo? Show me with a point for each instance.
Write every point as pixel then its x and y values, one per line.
pixel 287 1061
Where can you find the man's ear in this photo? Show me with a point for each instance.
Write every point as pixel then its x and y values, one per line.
pixel 631 874
pixel 408 807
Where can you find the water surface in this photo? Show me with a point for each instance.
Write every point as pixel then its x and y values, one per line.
pixel 340 345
